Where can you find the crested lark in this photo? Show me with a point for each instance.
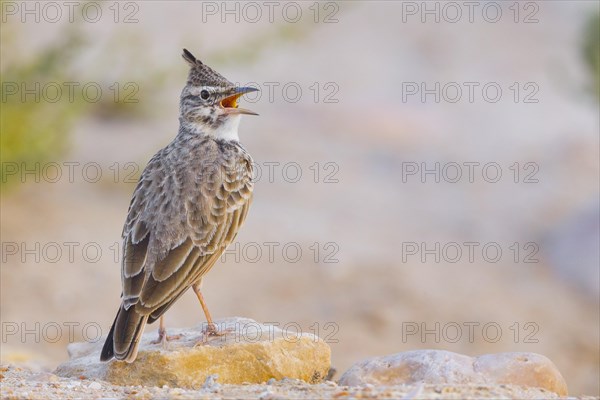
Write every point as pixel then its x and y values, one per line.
pixel 188 206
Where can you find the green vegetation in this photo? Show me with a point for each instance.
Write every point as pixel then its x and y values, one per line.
pixel 32 129
pixel 36 119
pixel 591 49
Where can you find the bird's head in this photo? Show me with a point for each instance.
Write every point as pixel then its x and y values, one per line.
pixel 209 101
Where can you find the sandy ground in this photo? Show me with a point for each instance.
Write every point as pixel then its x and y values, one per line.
pixel 19 383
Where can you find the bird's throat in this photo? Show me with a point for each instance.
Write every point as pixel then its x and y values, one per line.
pixel 225 128
pixel 228 130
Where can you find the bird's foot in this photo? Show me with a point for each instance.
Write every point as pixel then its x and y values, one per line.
pixel 163 338
pixel 211 331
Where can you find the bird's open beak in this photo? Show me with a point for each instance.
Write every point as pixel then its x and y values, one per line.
pixel 230 105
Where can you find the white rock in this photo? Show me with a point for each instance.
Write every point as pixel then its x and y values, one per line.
pixel 95 386
pixel 444 367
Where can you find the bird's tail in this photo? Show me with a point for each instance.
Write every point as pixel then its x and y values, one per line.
pixel 124 337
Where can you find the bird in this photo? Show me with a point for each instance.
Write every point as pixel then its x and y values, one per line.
pixel 188 206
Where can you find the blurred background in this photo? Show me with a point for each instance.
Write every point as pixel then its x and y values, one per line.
pixel 428 173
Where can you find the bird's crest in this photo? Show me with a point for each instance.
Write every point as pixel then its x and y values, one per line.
pixel 201 74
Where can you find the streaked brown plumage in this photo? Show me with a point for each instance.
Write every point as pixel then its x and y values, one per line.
pixel 188 206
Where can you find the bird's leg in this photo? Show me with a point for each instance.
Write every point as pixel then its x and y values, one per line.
pixel 211 329
pixel 162 334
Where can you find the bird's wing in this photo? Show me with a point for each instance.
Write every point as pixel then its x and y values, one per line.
pixel 176 229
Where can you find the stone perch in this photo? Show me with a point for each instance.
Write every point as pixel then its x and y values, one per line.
pixel 247 352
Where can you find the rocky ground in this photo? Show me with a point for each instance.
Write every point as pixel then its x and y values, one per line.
pixel 277 365
pixel 24 383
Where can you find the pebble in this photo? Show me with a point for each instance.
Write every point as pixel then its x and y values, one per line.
pixel 269 395
pixel 211 382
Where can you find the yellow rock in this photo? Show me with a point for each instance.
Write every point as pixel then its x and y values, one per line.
pixel 247 352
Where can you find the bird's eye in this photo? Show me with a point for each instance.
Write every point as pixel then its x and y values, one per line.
pixel 204 94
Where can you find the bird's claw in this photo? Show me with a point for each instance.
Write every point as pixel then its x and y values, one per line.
pixel 163 339
pixel 211 330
